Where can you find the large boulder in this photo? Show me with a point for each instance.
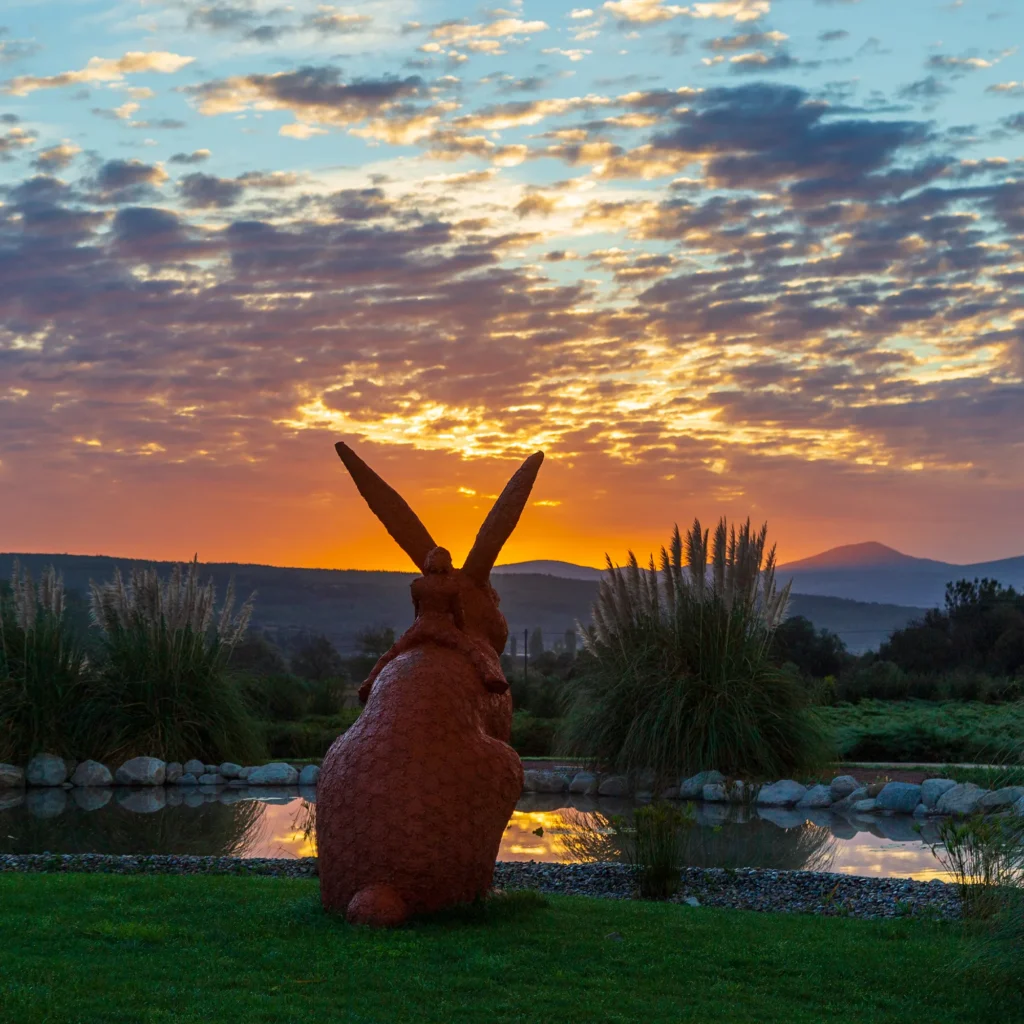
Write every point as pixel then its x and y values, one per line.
pixel 91 773
pixel 693 787
pixel 901 797
pixel 865 806
pixel 781 794
pixel 842 786
pixel 932 789
pixel 276 774
pixel 141 771
pixel 537 781
pixel 173 772
pixel 1000 799
pixel 614 785
pixel 193 766
pixel 46 770
pixel 188 779
pixel 11 777
pixel 962 799
pixel 847 802
pixel 715 793
pixel 307 777
pixel 230 770
pixel 211 779
pixel 816 796
pixel 1018 807
pixel 584 783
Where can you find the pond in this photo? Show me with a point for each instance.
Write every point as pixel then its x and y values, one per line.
pixel 263 822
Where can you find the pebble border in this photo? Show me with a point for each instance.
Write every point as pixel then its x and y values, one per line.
pixel 758 889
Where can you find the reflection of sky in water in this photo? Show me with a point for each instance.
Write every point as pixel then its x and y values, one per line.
pixel 542 828
pixel 863 853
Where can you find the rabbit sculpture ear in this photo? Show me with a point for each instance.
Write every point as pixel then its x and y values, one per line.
pixel 501 520
pixel 389 507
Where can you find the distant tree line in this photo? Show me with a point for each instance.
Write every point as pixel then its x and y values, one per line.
pixel 970 649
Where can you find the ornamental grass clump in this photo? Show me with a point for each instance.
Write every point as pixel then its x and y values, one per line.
pixel 42 665
pixel 167 686
pixel 680 675
pixel 654 847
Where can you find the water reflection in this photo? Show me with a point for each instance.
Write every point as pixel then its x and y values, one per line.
pixel 268 822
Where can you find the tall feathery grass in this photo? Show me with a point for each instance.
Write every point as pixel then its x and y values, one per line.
pixel 41 669
pixel 986 857
pixel 681 677
pixel 165 680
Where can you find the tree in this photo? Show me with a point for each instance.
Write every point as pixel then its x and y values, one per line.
pixel 374 641
pixel 317 659
pixel 570 642
pixel 981 628
pixel 536 643
pixel 816 653
pixel 256 656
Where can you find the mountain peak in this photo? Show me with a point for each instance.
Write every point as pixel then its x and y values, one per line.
pixel 868 555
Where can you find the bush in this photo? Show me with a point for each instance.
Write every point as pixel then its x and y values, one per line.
pixel 875 678
pixel 984 857
pixel 654 846
pixel 533 737
pixel 308 739
pixel 926 732
pixel 682 677
pixel 276 698
pixel 165 687
pixel 42 667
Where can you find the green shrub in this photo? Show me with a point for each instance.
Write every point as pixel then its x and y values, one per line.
pixel 654 847
pixel 326 696
pixel 42 667
pixel 533 737
pixel 926 731
pixel 873 678
pixel 165 684
pixel 276 698
pixel 309 739
pixel 984 857
pixel 682 676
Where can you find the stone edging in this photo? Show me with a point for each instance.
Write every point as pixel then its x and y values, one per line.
pixel 934 797
pixel 49 770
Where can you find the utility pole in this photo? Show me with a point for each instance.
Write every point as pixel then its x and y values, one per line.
pixel 526 655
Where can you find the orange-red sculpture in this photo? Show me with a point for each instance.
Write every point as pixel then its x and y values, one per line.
pixel 413 799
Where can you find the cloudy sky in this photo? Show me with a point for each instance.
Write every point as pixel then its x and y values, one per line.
pixel 747 257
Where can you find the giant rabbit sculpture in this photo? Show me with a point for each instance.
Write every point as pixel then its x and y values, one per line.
pixel 413 799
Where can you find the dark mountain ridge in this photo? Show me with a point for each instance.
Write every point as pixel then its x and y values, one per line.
pixel 341 602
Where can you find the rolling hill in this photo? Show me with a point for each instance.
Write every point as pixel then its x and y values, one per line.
pixel 873 572
pixel 340 602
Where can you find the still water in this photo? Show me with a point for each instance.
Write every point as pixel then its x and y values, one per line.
pixel 279 823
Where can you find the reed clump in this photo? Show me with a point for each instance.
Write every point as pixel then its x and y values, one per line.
pixel 165 679
pixel 42 668
pixel 680 676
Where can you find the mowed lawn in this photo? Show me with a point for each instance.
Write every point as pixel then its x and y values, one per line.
pixel 95 948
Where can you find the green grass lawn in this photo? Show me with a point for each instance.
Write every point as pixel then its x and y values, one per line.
pixel 94 948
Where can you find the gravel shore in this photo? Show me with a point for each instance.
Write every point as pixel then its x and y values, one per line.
pixel 759 889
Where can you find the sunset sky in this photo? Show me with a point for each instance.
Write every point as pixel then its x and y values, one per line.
pixel 748 257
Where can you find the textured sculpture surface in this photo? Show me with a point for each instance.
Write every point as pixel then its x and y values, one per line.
pixel 413 799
